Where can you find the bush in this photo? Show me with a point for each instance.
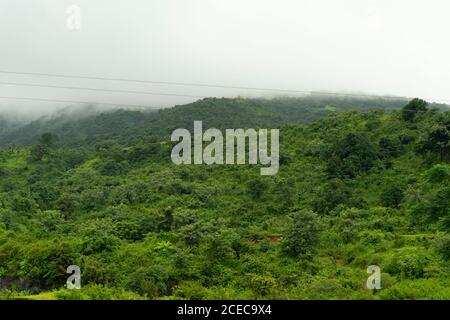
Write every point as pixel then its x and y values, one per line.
pixel 190 290
pixel 256 188
pixel 408 264
pixel 96 292
pixel 326 289
pixel 262 285
pixel 443 246
pixel 150 281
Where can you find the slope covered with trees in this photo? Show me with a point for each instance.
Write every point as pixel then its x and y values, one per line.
pixel 86 125
pixel 354 189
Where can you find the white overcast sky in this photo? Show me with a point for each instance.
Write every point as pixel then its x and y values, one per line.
pixel 398 47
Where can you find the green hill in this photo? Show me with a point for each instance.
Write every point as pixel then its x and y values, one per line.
pixel 85 126
pixel 354 189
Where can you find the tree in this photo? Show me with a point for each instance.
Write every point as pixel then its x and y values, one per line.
pixel 38 152
pixel 334 193
pixel 256 188
pixel 390 147
pixel 350 156
pixel 440 173
pixel 67 203
pixel 437 141
pixel 42 148
pixel 48 139
pixel 303 236
pixel 392 195
pixel 112 168
pixel 166 220
pixel 415 107
pixel 443 246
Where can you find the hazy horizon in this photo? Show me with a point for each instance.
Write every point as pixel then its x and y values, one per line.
pixel 374 47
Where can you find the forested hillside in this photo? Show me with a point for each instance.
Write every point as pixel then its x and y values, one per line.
pixel 355 188
pixel 83 126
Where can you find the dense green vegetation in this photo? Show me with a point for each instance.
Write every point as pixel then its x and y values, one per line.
pixel 355 188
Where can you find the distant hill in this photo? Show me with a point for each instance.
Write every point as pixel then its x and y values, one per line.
pixel 84 126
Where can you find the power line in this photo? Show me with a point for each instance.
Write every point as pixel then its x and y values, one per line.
pixel 187 84
pixel 76 101
pixel 99 89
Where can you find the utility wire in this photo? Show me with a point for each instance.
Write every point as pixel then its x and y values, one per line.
pixel 98 89
pixel 75 101
pixel 187 84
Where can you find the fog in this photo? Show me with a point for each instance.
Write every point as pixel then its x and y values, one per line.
pixel 377 47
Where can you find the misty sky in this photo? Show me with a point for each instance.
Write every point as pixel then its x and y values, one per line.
pixel 390 47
